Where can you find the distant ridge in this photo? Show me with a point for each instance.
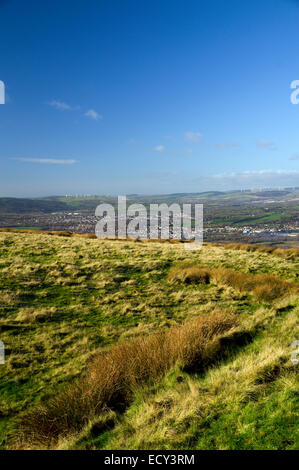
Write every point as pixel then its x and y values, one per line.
pixel 89 203
pixel 22 205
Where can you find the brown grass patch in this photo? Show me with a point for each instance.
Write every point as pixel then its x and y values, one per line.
pixel 190 275
pixel 264 287
pixel 288 253
pixel 113 376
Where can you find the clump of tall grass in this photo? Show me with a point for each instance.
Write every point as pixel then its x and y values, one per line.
pixel 190 275
pixel 289 253
pixel 32 315
pixel 113 376
pixel 264 287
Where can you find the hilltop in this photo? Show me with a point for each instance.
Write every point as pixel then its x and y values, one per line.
pixel 195 345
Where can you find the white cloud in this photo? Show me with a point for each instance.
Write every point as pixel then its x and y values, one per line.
pixel 194 137
pixel 93 114
pixel 248 180
pixel 50 161
pixel 226 145
pixel 256 173
pixel 266 144
pixel 60 105
pixel 159 148
pixel 294 157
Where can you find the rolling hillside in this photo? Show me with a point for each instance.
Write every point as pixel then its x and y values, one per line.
pixel 139 345
pixel 83 203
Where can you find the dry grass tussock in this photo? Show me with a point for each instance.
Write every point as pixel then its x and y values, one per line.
pixel 190 275
pixel 289 253
pixel 31 315
pixel 113 376
pixel 264 287
pixel 167 418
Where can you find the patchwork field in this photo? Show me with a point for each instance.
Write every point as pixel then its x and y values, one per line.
pixel 138 345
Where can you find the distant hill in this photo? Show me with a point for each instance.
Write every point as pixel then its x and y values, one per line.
pixel 18 205
pixel 89 203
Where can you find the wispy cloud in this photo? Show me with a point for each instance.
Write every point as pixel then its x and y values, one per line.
pixel 266 144
pixel 294 157
pixel 159 148
pixel 249 180
pixel 226 145
pixel 49 161
pixel 61 105
pixel 246 174
pixel 194 137
pixel 93 114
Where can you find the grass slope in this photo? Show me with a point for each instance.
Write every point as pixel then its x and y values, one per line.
pixel 64 300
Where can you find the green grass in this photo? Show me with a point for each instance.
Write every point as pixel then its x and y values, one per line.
pixel 247 402
pixel 266 218
pixel 64 299
pixel 251 220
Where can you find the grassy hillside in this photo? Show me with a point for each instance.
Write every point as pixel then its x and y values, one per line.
pixel 64 203
pixel 196 345
pixel 23 206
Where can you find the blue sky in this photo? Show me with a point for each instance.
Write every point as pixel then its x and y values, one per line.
pixel 139 96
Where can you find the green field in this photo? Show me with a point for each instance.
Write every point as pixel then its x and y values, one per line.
pixel 252 220
pixel 65 300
